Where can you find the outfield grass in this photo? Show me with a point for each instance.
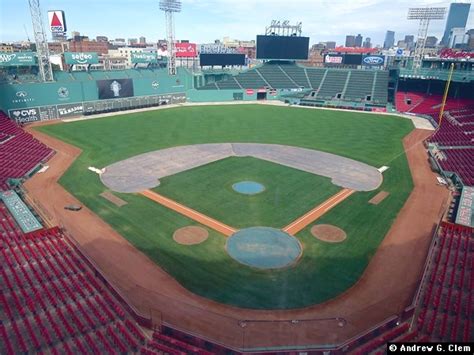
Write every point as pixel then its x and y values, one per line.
pixel 324 271
pixel 289 193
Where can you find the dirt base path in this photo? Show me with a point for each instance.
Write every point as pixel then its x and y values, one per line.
pixel 386 287
pixel 190 213
pixel 305 220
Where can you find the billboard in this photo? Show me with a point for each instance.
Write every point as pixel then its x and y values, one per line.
pixel 186 50
pixel 373 60
pixel 115 89
pixel 17 59
pixel 144 58
pixel 70 110
pixel 81 58
pixel 282 47
pixel 57 21
pixel 333 59
pixel 25 115
pixel 221 59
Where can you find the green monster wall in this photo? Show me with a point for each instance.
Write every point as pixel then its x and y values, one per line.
pixel 48 97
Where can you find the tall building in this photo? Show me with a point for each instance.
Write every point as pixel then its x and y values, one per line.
pixel 101 39
pixel 457 38
pixel 389 40
pixel 367 43
pixel 330 44
pixel 350 41
pixel 431 42
pixel 142 40
pixel 457 18
pixel 132 41
pixel 409 41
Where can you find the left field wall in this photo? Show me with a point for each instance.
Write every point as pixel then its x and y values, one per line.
pixel 62 99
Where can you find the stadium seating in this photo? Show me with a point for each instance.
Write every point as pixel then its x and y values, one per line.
pixel 360 85
pixel 20 153
pixel 446 303
pixel 52 301
pixel 353 85
pixel 276 77
pixel 380 89
pixel 333 84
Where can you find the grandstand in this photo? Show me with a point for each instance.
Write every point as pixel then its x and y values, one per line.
pixel 452 144
pixel 20 153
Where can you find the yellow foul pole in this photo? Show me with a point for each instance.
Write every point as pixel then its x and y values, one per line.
pixel 446 90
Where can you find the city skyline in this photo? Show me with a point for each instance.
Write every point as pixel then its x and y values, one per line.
pixel 206 21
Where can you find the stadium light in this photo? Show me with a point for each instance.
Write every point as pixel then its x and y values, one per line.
pixel 430 13
pixel 425 15
pixel 170 7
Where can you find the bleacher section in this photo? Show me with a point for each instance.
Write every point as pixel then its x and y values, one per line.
pixel 380 93
pixel 445 312
pixel 360 85
pixel 276 77
pixel 20 153
pixel 353 85
pixel 333 84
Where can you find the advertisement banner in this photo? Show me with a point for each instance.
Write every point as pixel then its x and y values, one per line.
pixel 17 59
pixel 144 58
pixel 81 58
pixel 333 59
pixel 186 50
pixel 57 21
pixel 48 113
pixel 115 89
pixel 70 110
pixel 373 60
pixel 25 115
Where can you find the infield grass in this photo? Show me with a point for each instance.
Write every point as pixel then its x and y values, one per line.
pixel 324 270
pixel 288 194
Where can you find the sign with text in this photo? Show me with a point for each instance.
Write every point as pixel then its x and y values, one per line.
pixel 373 60
pixel 57 21
pixel 25 115
pixel 17 59
pixel 333 59
pixel 144 58
pixel 81 58
pixel 186 50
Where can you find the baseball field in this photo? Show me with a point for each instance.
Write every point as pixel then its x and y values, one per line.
pixel 323 271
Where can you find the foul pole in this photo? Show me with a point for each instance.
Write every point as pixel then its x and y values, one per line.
pixel 445 96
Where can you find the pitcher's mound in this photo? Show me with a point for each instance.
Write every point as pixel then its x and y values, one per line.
pixel 328 233
pixel 191 235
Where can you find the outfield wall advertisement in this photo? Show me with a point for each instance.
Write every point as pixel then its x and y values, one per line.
pixel 44 113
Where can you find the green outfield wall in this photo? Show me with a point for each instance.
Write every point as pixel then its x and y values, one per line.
pixel 47 97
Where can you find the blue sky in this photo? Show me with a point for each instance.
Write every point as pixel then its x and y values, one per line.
pixel 203 21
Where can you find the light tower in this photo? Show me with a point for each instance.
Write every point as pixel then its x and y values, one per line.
pixel 424 14
pixel 42 51
pixel 170 7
